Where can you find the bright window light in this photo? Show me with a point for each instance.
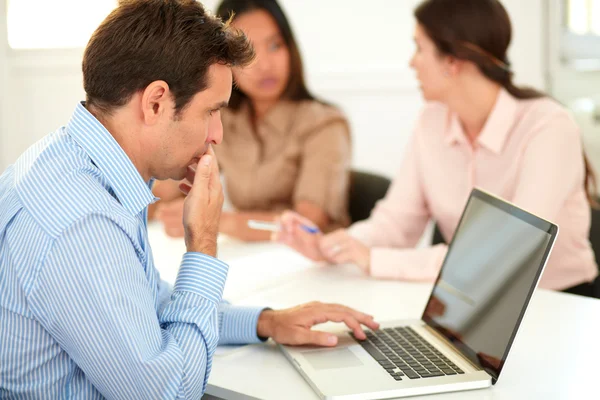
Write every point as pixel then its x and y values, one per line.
pixel 52 24
pixel 578 16
pixel 595 17
pixel 580 40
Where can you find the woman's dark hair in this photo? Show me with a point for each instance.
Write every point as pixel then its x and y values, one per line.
pixel 480 31
pixel 296 88
pixel 475 30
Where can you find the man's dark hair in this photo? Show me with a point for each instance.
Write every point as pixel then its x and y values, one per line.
pixel 143 41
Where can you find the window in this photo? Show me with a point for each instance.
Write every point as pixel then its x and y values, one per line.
pixel 583 17
pixel 52 24
pixel 581 31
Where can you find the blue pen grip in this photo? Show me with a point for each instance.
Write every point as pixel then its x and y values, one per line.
pixel 310 229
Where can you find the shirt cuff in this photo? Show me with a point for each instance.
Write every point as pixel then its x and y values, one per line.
pixel 202 275
pixel 238 325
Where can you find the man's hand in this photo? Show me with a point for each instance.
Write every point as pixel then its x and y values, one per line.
pixel 292 326
pixel 202 206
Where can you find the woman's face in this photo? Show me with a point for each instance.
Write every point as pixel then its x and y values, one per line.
pixel 433 70
pixel 267 77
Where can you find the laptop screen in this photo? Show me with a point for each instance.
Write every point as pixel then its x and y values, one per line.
pixel 489 274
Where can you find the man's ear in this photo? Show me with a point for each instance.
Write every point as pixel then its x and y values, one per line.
pixel 156 101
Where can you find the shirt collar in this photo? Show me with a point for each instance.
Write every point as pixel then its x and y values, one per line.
pixel 454 131
pixel 104 151
pixel 496 129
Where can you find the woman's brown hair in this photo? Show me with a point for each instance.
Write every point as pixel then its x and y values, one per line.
pixel 480 31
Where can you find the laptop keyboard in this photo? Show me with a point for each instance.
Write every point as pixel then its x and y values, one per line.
pixel 402 352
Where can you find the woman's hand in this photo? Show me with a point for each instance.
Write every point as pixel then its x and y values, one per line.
pixel 337 247
pixel 293 232
pixel 340 248
pixel 170 213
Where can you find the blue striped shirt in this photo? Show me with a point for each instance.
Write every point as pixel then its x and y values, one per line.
pixel 83 312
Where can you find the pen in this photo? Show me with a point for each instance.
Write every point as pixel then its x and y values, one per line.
pixel 275 227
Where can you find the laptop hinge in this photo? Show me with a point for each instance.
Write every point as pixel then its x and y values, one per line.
pixel 448 343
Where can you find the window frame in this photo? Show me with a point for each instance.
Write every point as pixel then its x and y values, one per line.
pixel 576 48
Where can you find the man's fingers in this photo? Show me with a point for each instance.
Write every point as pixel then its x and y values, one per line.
pixel 350 322
pixel 371 323
pixel 339 311
pixel 191 173
pixel 295 324
pixel 215 179
pixel 302 336
pixel 210 151
pixel 320 338
pixel 202 176
pixel 185 187
pixel 362 318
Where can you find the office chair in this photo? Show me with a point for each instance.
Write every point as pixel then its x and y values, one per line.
pixel 365 190
pixel 595 242
pixel 437 236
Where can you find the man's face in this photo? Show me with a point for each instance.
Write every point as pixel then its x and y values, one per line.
pixel 185 137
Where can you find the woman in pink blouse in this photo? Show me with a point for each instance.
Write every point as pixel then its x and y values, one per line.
pixel 477 129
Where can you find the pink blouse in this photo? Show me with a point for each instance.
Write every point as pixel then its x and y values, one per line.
pixel 529 153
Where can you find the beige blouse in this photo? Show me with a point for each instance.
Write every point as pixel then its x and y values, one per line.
pixel 300 151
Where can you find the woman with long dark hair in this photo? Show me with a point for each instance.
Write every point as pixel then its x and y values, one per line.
pixel 282 148
pixel 477 129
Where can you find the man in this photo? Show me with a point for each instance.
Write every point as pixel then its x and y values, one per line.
pixel 83 312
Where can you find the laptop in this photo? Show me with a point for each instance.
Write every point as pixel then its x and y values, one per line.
pixel 462 341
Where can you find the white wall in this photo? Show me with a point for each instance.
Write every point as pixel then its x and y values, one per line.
pixel 575 87
pixel 356 56
pixel 3 80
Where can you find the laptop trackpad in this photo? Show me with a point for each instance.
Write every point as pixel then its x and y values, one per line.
pixel 330 359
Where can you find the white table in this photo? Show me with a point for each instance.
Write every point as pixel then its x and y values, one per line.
pixel 252 266
pixel 553 357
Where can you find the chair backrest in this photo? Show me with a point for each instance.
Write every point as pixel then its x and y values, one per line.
pixel 595 242
pixel 437 237
pixel 365 190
